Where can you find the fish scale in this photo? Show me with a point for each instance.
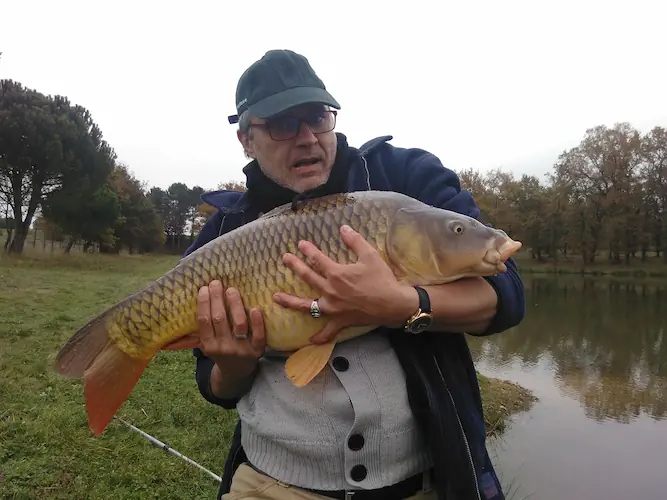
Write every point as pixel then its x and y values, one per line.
pixel 421 244
pixel 250 262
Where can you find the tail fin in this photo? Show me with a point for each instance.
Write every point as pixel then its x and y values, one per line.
pixel 109 373
pixel 84 346
pixel 107 384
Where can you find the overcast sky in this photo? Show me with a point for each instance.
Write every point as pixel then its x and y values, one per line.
pixel 480 84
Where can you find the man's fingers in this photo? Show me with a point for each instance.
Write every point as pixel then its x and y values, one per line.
pixel 204 315
pixel 258 338
pixel 237 312
pixel 218 312
pixel 316 258
pixel 304 271
pixel 327 333
pixel 286 300
pixel 356 242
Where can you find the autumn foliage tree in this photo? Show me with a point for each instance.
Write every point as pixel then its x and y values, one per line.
pixel 139 227
pixel 606 197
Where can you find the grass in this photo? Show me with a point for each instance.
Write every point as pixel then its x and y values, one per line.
pixel 653 267
pixel 502 399
pixel 46 449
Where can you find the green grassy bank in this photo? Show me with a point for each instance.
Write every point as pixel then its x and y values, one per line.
pixel 46 450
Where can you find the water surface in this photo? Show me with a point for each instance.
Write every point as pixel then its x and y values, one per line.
pixel 594 352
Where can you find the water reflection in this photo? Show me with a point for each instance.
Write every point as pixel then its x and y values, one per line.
pixel 602 340
pixel 594 352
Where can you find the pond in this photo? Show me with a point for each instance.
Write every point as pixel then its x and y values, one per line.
pixel 594 351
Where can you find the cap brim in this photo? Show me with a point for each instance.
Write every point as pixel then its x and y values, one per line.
pixel 278 103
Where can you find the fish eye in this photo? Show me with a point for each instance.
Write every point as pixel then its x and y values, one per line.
pixel 457 227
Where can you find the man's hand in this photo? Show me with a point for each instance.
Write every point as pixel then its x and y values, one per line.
pixel 228 341
pixel 363 293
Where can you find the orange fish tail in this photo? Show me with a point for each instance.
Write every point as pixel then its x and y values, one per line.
pixel 109 374
pixel 108 382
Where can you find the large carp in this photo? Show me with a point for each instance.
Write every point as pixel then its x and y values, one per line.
pixel 423 245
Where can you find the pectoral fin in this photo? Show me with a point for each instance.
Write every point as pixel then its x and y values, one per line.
pixel 304 365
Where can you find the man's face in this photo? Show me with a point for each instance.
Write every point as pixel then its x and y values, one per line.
pixel 288 151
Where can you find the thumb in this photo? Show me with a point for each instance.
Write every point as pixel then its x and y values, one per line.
pixel 257 339
pixel 327 334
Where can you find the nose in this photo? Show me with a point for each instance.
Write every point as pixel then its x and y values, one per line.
pixel 305 135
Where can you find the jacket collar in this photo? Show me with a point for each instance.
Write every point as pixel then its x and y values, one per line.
pixel 229 201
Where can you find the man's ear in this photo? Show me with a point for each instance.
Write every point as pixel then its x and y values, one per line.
pixel 244 139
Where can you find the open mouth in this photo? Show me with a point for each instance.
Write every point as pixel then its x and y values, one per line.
pixel 495 258
pixel 306 162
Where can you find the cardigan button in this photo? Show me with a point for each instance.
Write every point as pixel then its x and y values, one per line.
pixel 358 473
pixel 340 363
pixel 356 442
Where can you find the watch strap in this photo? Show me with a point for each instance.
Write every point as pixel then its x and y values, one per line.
pixel 424 300
pixel 422 317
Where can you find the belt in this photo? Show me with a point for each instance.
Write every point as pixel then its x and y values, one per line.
pixel 399 491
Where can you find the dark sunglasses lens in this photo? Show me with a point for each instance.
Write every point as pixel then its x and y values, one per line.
pixel 283 128
pixel 319 122
pixel 287 127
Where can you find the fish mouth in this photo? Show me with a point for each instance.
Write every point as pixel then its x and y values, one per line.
pixel 494 258
pixel 509 248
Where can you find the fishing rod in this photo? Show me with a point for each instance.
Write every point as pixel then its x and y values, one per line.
pixel 169 449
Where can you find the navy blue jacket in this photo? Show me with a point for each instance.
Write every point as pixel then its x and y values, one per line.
pixel 442 384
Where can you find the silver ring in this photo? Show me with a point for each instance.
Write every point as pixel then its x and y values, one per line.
pixel 315 309
pixel 241 337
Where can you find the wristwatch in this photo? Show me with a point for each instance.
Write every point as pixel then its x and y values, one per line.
pixel 423 318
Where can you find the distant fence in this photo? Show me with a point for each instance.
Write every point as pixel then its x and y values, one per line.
pixel 44 241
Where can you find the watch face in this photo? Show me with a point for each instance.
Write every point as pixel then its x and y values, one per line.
pixel 420 324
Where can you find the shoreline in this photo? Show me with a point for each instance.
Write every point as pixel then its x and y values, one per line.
pixel 626 272
pixel 653 267
pixel 501 400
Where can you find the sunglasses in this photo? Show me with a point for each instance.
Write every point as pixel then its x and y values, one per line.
pixel 284 128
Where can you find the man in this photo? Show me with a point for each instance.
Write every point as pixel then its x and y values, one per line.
pixel 395 414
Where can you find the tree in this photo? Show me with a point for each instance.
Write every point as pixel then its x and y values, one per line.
pixel 607 195
pixel 46 144
pixel 86 215
pixel 139 227
pixel 654 179
pixel 180 207
pixel 232 186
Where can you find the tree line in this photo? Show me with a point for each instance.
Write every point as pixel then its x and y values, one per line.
pixel 604 198
pixel 60 176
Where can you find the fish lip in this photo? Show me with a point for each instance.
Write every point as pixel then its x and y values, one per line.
pixel 490 267
pixel 509 248
pixel 494 258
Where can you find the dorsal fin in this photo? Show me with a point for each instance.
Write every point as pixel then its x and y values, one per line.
pixel 277 211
